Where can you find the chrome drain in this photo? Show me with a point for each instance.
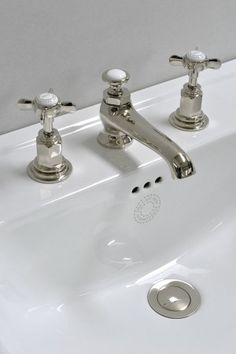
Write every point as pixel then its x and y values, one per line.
pixel 174 298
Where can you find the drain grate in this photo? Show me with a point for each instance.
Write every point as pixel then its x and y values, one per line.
pixel 174 298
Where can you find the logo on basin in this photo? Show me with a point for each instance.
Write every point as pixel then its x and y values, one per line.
pixel 147 208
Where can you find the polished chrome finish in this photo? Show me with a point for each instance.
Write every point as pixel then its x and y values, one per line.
pixel 174 298
pixel 189 116
pixel 25 104
pixel 49 175
pixel 122 123
pixel 49 166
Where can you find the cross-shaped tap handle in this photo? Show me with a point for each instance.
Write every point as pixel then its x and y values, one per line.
pixel 48 106
pixel 195 61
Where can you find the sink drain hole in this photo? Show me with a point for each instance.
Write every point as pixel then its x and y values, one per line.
pixel 174 298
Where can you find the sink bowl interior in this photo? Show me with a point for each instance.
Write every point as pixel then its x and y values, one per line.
pixel 85 263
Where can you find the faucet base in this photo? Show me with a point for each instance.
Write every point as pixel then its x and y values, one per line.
pixel 194 123
pixel 45 174
pixel 114 139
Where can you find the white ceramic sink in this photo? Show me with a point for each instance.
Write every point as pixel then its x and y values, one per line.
pixel 78 258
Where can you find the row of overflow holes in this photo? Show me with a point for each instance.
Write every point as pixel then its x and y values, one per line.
pixel 146 185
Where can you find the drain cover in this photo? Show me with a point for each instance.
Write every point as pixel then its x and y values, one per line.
pixel 174 298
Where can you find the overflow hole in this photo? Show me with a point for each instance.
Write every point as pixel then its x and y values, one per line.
pixel 158 180
pixel 135 190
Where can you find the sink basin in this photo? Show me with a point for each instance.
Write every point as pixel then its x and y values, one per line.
pixel 79 257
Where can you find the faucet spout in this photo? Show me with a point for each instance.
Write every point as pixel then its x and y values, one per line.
pixel 122 123
pixel 128 121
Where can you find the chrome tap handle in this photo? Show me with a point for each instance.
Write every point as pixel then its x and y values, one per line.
pixel 189 115
pixel 49 165
pixel 116 78
pixel 47 106
pixel 213 63
pixel 176 60
pixel 67 107
pixel 25 104
pixel 195 61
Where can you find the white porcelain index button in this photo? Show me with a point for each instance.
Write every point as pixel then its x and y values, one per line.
pixel 116 76
pixel 196 56
pixel 47 99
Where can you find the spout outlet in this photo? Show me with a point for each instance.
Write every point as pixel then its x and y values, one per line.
pixel 182 166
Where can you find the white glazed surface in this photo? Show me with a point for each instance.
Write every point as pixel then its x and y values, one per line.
pixel 47 99
pixel 78 258
pixel 196 55
pixel 116 75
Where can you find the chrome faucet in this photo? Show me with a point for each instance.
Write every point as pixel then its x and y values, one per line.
pixel 189 116
pixel 49 166
pixel 122 124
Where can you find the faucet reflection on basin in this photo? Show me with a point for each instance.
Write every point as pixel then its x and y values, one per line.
pixel 123 123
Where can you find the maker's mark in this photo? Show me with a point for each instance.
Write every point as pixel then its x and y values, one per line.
pixel 147 208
